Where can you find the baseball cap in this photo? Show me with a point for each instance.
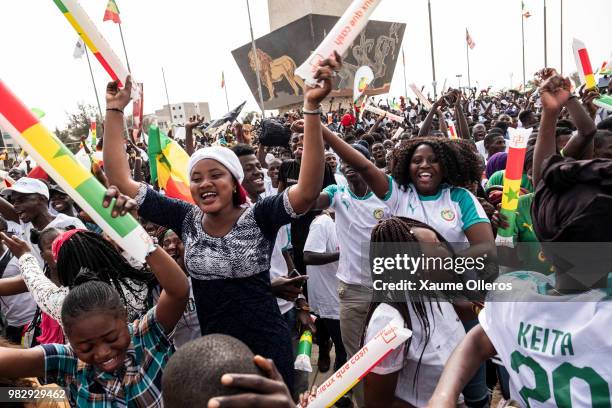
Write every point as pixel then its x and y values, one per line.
pixel 28 185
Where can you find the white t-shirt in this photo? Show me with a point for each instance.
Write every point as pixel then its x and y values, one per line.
pixel 556 348
pixel 278 265
pixel 450 212
pixel 18 309
pixel 340 179
pixel 446 331
pixel 322 281
pixel 188 328
pixel 481 149
pixel 355 219
pixel 60 221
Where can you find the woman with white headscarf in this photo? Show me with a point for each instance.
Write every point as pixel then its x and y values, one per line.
pixel 228 243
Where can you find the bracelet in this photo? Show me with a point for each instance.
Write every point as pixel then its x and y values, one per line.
pixel 312 112
pixel 114 110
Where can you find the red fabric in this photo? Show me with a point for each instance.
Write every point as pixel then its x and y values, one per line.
pixel 51 331
pixel 242 194
pixel 38 173
pixel 59 241
pixel 347 120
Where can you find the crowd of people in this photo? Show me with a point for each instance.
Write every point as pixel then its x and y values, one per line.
pixel 273 244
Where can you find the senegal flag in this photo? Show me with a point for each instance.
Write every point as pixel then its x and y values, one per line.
pixel 168 163
pixel 112 12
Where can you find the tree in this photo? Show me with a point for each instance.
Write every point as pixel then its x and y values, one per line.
pixel 78 126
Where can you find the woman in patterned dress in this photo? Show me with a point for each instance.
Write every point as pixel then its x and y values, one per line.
pixel 228 242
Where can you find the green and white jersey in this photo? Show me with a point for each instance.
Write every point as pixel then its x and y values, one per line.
pixel 451 211
pixel 355 219
pixel 557 349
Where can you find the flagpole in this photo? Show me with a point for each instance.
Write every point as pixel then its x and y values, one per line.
pixel 405 83
pixel 254 50
pixel 93 82
pixel 467 53
pixel 167 98
pixel 523 40
pixel 561 37
pixel 124 50
pixel 545 45
pixel 433 65
pixel 226 100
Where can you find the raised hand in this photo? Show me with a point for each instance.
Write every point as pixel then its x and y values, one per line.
pixel 123 204
pixel 326 72
pixel 118 98
pixel 554 89
pixel 193 122
pixel 17 246
pixel 258 391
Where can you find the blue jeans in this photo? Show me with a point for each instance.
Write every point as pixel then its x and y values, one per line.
pixel 476 392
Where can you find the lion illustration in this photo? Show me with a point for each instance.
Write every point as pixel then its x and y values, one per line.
pixel 272 71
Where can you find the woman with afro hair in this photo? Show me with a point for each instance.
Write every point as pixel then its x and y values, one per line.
pixel 428 182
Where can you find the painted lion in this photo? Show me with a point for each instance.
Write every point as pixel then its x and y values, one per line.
pixel 272 71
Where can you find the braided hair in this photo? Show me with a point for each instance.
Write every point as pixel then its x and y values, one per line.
pixel 87 256
pixel 460 165
pixel 398 230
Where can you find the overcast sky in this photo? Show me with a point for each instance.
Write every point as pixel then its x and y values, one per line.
pixel 193 40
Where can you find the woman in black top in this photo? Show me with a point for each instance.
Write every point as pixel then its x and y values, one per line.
pixel 228 243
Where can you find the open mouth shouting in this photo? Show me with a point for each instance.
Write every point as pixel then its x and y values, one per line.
pixel 208 197
pixel 111 364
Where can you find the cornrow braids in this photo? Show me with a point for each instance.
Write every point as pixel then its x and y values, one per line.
pixel 91 296
pixel 398 230
pixel 88 256
pixel 459 163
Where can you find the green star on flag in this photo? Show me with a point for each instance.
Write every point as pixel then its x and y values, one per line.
pixel 511 195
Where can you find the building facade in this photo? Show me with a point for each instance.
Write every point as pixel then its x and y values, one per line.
pixel 177 114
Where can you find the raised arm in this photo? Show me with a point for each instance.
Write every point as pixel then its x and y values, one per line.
pixel 473 350
pixel 47 295
pixel 580 146
pixel 8 211
pixel 462 125
pixel 175 288
pixel 554 92
pixel 116 163
pixel 374 177
pixel 304 194
pixel 189 142
pixel 426 127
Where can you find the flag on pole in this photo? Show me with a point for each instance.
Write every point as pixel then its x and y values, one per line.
pixel 168 163
pixel 526 12
pixel 583 63
pixel 79 49
pixel 228 117
pixel 112 12
pixel 222 79
pixel 59 163
pixel 468 39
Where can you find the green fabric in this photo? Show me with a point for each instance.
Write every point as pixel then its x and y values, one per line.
pixel 497 179
pixel 156 144
pixel 529 249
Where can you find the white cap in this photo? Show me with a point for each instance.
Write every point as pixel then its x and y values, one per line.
pixel 221 154
pixel 28 185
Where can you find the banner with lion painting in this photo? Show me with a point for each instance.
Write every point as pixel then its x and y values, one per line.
pixel 281 51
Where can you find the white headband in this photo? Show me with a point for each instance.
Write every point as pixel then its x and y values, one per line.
pixel 221 154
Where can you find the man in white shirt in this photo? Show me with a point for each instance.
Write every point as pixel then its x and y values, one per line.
pixel 29 207
pixel 19 309
pixel 321 254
